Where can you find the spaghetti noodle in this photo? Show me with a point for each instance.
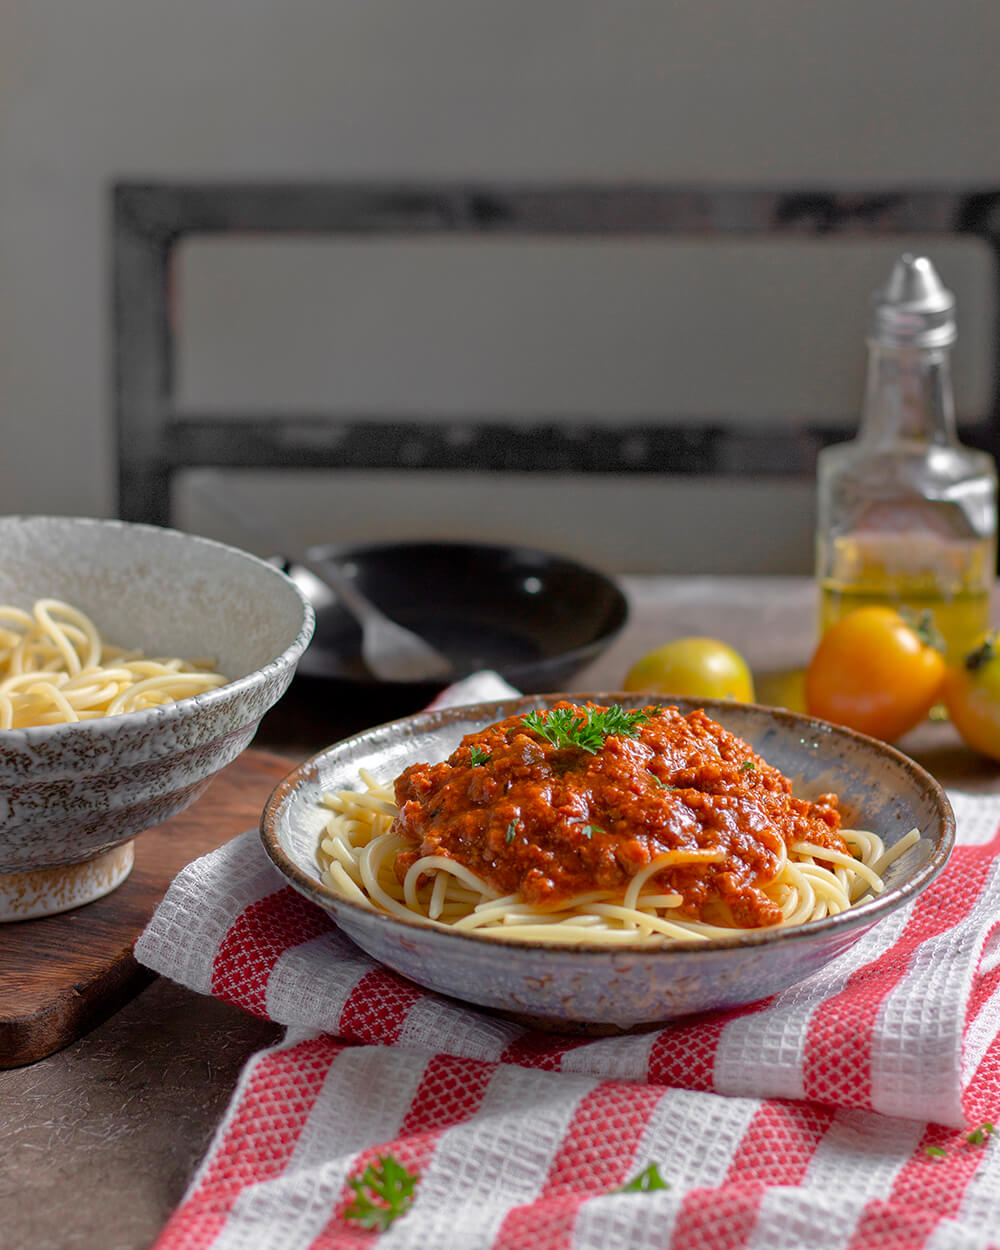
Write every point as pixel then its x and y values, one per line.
pixel 521 836
pixel 55 668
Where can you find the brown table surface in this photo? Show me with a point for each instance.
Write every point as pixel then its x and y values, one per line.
pixel 101 1139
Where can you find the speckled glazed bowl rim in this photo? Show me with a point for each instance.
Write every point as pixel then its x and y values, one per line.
pixel 863 915
pixel 128 723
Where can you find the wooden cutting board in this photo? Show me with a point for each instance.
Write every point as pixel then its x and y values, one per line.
pixel 60 976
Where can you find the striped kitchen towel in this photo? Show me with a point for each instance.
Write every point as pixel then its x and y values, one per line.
pixel 851 1110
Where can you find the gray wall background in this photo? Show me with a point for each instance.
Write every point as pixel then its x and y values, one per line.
pixel 787 93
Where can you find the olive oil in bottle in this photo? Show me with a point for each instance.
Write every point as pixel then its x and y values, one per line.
pixel 907 516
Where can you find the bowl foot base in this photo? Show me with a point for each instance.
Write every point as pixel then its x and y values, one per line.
pixel 48 891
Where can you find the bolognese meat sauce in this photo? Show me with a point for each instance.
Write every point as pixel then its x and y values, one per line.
pixel 550 819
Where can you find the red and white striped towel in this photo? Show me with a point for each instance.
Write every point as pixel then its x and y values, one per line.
pixel 802 1121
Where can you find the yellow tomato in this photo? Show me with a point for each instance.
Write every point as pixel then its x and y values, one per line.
pixel 784 688
pixel 972 696
pixel 699 668
pixel 875 673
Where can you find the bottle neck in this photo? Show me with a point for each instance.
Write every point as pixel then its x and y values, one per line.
pixel 908 396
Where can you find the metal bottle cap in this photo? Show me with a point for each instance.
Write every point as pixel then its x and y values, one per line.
pixel 914 308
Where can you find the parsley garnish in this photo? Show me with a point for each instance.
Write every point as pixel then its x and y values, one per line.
pixel 586 728
pixel 588 831
pixel 511 831
pixel 977 1137
pixel 478 755
pixel 748 766
pixel 384 1192
pixel 647 1180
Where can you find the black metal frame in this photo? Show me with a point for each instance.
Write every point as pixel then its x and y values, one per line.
pixel 154 440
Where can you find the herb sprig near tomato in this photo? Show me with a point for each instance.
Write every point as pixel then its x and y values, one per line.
pixel 875 672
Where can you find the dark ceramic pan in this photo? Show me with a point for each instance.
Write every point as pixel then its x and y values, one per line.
pixel 534 617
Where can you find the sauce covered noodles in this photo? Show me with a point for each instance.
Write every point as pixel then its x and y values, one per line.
pixel 589 824
pixel 56 668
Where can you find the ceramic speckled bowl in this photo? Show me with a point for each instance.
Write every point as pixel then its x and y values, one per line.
pixel 73 796
pixel 602 990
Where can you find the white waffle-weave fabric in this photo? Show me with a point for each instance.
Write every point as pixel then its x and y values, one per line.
pixel 802 1121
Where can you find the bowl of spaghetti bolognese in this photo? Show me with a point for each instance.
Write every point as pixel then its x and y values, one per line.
pixel 602 862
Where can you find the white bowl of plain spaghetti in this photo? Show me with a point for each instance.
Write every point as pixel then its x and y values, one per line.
pixel 453 879
pixel 135 662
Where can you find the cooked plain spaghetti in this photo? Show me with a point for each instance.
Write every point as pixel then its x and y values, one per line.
pixel 56 668
pixel 598 826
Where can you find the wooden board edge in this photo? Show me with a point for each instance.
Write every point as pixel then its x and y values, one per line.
pixel 80 1009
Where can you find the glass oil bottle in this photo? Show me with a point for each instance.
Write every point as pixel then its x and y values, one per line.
pixel 907 516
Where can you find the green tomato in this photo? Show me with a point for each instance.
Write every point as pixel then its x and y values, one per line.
pixel 698 668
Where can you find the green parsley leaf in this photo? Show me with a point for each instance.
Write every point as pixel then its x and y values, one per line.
pixel 936 1152
pixel 479 755
pixel 511 831
pixel 979 1135
pixel 586 728
pixel 588 831
pixel 748 766
pixel 647 1180
pixel 384 1192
